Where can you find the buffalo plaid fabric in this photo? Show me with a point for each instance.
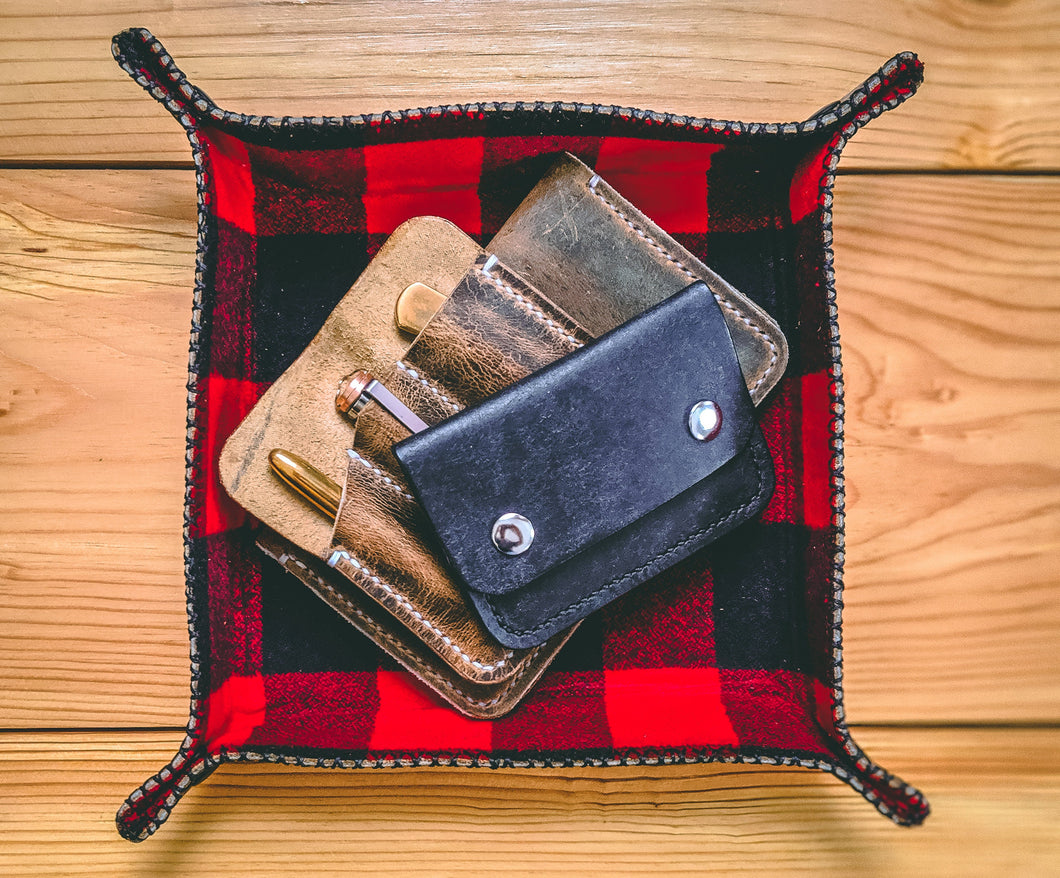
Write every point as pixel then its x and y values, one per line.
pixel 732 655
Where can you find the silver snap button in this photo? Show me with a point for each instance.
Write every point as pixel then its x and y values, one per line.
pixel 704 421
pixel 512 533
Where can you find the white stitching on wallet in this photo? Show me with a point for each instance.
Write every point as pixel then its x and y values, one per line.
pixel 380 474
pixel 416 376
pixel 342 554
pixel 536 312
pixel 774 353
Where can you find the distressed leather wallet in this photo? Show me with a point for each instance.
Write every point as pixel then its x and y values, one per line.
pixel 492 331
pixel 565 490
pixel 603 261
pixel 390 587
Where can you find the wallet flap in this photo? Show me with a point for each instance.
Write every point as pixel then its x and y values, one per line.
pixel 618 416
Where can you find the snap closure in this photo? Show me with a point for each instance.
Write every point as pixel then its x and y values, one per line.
pixel 512 533
pixel 704 421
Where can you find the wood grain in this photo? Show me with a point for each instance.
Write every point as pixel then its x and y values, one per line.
pixel 990 101
pixel 995 795
pixel 95 281
pixel 950 312
pixel 949 301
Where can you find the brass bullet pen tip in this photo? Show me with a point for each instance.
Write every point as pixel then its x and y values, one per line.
pixel 306 480
pixel 415 306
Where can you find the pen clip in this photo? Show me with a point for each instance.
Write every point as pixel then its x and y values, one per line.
pixel 360 388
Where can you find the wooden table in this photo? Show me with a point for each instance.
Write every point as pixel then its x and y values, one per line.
pixel 947 238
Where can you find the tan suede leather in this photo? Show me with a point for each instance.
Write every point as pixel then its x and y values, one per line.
pixel 297 413
pixel 603 261
pixel 428 625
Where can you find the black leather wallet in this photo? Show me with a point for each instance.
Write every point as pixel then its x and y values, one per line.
pixel 577 483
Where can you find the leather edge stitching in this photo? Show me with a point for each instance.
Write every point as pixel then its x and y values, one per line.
pixel 397 645
pixel 587 599
pixel 380 475
pixel 535 312
pixel 374 579
pixel 416 376
pixel 774 352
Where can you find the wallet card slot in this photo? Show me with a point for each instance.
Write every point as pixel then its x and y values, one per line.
pixel 383 543
pixel 492 331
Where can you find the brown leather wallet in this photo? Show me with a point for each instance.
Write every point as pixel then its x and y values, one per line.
pixel 390 589
pixel 492 331
pixel 604 262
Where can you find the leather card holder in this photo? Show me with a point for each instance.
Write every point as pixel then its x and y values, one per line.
pixel 426 623
pixel 492 331
pixel 596 451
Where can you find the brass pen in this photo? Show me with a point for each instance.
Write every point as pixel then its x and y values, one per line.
pixel 306 480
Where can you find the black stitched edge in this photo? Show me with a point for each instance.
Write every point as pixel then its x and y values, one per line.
pixel 861 760
pixel 190 765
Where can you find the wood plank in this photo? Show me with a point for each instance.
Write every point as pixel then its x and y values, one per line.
pixel 990 101
pixel 949 302
pixel 95 280
pixel 995 795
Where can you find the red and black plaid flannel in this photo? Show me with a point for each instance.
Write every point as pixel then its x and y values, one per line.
pixel 732 655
